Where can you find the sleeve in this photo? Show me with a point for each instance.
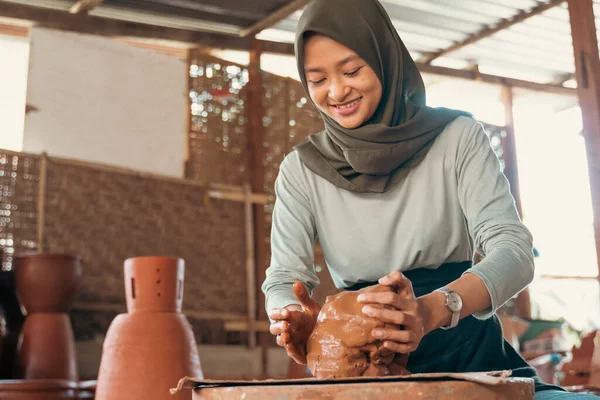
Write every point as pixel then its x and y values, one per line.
pixel 493 221
pixel 293 235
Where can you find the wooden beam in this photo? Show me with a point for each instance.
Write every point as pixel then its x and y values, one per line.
pixel 110 27
pixel 587 71
pixel 511 170
pixel 490 30
pixel 14 30
pixel 275 17
pixel 255 137
pixel 494 79
pixel 84 6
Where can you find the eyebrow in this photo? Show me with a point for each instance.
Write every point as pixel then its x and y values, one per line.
pixel 339 64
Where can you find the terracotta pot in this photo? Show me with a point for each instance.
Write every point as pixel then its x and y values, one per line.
pixel 147 351
pixel 154 284
pixel 47 348
pixel 47 282
pixel 42 389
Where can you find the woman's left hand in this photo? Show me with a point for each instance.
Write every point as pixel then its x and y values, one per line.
pixel 403 309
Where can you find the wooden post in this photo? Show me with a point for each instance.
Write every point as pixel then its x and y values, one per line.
pixel 250 268
pixel 511 170
pixel 41 202
pixel 255 136
pixel 587 72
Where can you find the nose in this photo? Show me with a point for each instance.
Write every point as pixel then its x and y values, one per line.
pixel 338 90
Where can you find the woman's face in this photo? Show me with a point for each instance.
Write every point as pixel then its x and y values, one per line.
pixel 340 83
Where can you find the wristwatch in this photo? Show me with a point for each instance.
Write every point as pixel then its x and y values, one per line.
pixel 454 304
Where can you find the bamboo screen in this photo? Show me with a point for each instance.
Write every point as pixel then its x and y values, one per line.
pixel 19 176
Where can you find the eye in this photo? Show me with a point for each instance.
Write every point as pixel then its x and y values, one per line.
pixel 317 82
pixel 353 73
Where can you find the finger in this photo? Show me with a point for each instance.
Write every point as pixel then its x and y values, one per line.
pixel 279 327
pixel 390 316
pixel 283 339
pixel 309 305
pixel 389 299
pixel 400 282
pixel 295 353
pixel 403 348
pixel 395 335
pixel 302 295
pixel 279 314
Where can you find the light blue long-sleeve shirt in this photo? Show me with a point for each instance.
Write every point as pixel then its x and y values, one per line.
pixel 455 201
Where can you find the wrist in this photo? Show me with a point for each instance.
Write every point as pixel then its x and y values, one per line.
pixel 435 312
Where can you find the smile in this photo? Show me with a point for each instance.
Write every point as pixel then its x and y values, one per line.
pixel 347 108
pixel 348 105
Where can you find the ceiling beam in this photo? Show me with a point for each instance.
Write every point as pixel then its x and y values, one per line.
pixel 274 18
pixel 491 30
pixel 94 25
pixel 475 75
pixel 84 6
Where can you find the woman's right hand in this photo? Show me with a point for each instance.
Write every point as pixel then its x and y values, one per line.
pixel 293 324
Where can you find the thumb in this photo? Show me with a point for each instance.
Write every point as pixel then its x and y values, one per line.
pixel 302 295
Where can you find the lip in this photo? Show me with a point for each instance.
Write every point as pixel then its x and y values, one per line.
pixel 349 110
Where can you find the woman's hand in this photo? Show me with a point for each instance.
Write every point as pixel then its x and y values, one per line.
pixel 400 308
pixel 294 324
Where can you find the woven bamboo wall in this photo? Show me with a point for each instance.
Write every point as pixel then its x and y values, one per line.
pixel 107 216
pixel 218 148
pixel 19 177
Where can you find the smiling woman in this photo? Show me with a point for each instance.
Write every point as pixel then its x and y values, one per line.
pixel 340 83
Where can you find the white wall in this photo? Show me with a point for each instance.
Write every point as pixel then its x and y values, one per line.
pixel 14 55
pixel 108 102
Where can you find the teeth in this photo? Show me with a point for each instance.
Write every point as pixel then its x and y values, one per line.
pixel 349 104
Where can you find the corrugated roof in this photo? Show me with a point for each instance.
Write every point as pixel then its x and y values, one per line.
pixel 538 49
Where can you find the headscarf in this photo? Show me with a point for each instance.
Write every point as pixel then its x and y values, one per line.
pixel 379 153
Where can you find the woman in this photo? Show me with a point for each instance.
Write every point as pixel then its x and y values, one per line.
pixel 400 194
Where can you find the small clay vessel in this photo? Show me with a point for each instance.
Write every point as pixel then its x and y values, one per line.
pixel 48 282
pixel 148 350
pixel 342 345
pixel 39 389
pixel 47 348
pixel 47 285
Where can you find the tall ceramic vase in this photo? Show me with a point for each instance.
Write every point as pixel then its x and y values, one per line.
pixel 149 349
pixel 47 285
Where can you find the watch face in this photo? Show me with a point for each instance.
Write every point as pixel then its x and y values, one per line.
pixel 454 302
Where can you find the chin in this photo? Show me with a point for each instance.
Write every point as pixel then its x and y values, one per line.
pixel 349 123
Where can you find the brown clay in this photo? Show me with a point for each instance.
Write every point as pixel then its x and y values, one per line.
pixel 47 282
pixel 147 351
pixel 39 389
pixel 47 348
pixel 341 344
pixel 47 285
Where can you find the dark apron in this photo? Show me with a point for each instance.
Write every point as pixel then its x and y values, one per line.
pixel 472 346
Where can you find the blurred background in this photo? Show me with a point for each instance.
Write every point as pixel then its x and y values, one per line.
pixel 156 127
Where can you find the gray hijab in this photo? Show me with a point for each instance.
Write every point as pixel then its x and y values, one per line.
pixel 378 154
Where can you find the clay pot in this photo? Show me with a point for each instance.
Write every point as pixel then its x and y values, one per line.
pixel 147 351
pixel 154 284
pixel 47 348
pixel 47 285
pixel 47 282
pixel 42 389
